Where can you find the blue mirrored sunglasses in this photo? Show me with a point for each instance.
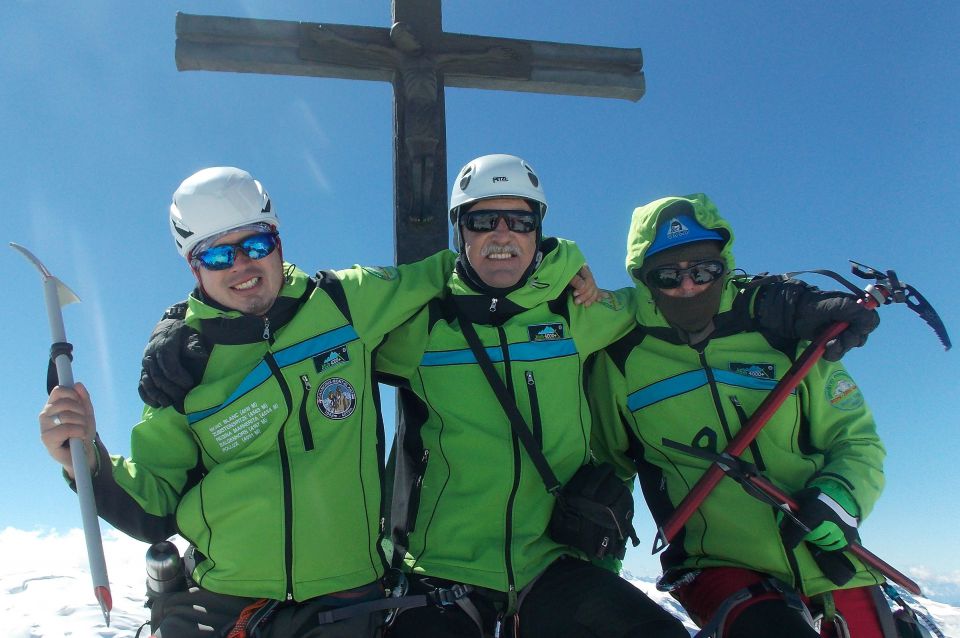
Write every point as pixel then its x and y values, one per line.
pixel 222 257
pixel 485 221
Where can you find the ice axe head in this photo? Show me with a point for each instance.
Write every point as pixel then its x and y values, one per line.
pixel 889 289
pixel 64 294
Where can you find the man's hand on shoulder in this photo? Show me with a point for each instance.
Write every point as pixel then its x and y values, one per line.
pixel 585 290
pixel 173 361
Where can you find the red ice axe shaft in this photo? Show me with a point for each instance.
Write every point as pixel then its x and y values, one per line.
pixel 865 555
pixel 695 497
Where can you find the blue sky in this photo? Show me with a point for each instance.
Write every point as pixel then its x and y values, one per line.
pixel 824 132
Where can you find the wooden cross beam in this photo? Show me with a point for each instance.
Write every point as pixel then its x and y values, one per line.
pixel 419 59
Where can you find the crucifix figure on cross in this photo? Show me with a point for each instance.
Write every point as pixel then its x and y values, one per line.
pixel 419 59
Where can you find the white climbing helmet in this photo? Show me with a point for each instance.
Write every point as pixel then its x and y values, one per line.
pixel 495 176
pixel 216 200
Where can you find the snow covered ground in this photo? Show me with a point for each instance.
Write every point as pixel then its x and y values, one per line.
pixel 45 588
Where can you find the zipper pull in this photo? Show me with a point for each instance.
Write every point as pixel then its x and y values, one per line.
pixel 306 382
pixel 493 304
pixel 266 328
pixel 529 375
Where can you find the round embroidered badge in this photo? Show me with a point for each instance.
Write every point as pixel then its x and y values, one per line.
pixel 842 392
pixel 336 398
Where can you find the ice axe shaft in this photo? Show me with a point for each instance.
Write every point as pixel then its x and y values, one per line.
pixel 865 555
pixel 56 295
pixel 758 486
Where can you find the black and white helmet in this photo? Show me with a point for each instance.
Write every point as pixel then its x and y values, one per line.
pixel 495 176
pixel 214 201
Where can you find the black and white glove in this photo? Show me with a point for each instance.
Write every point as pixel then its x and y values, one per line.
pixel 828 523
pixel 796 310
pixel 173 361
pixel 826 513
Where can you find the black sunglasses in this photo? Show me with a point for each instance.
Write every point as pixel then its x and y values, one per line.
pixel 485 221
pixel 672 277
pixel 222 257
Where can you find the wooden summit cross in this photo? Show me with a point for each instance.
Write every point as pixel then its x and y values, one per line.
pixel 419 59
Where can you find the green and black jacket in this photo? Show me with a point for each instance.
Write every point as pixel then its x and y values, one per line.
pixel 274 469
pixel 656 387
pixel 469 505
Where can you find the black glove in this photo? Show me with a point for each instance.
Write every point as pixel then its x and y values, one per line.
pixel 827 515
pixel 173 361
pixel 831 524
pixel 796 310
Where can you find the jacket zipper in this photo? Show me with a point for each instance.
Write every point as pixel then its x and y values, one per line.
pixel 717 403
pixel 266 329
pixel 493 305
pixel 754 446
pixel 304 423
pixel 534 407
pixel 285 470
pixel 508 523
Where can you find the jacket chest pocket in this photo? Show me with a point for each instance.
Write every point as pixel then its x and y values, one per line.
pixel 325 402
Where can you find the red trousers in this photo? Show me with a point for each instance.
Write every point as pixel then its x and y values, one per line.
pixel 702 597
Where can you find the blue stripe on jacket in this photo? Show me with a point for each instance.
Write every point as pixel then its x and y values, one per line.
pixel 288 356
pixel 689 381
pixel 526 351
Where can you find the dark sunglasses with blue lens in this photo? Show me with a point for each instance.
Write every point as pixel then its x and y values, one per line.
pixel 485 221
pixel 672 277
pixel 222 257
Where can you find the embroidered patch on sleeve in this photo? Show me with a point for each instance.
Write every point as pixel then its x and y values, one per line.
pixel 610 300
pixel 842 392
pixel 387 273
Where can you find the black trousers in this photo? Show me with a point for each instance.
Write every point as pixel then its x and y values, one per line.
pixel 572 599
pixel 199 613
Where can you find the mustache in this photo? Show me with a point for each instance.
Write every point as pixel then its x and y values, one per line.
pixel 505 249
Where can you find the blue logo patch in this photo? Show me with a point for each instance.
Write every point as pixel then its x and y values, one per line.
pixel 755 370
pixel 330 358
pixel 545 332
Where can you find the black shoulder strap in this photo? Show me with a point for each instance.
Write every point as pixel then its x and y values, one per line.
pixel 620 349
pixel 735 320
pixel 558 305
pixel 510 408
pixel 328 282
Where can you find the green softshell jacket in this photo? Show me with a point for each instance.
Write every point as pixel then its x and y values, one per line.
pixel 469 505
pixel 660 387
pixel 274 470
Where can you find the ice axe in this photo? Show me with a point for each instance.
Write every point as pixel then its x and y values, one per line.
pixel 756 485
pixel 57 294
pixel 886 289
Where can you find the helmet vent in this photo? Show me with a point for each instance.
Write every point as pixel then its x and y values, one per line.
pixel 183 232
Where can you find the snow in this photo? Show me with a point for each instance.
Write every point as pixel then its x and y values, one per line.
pixel 46 592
